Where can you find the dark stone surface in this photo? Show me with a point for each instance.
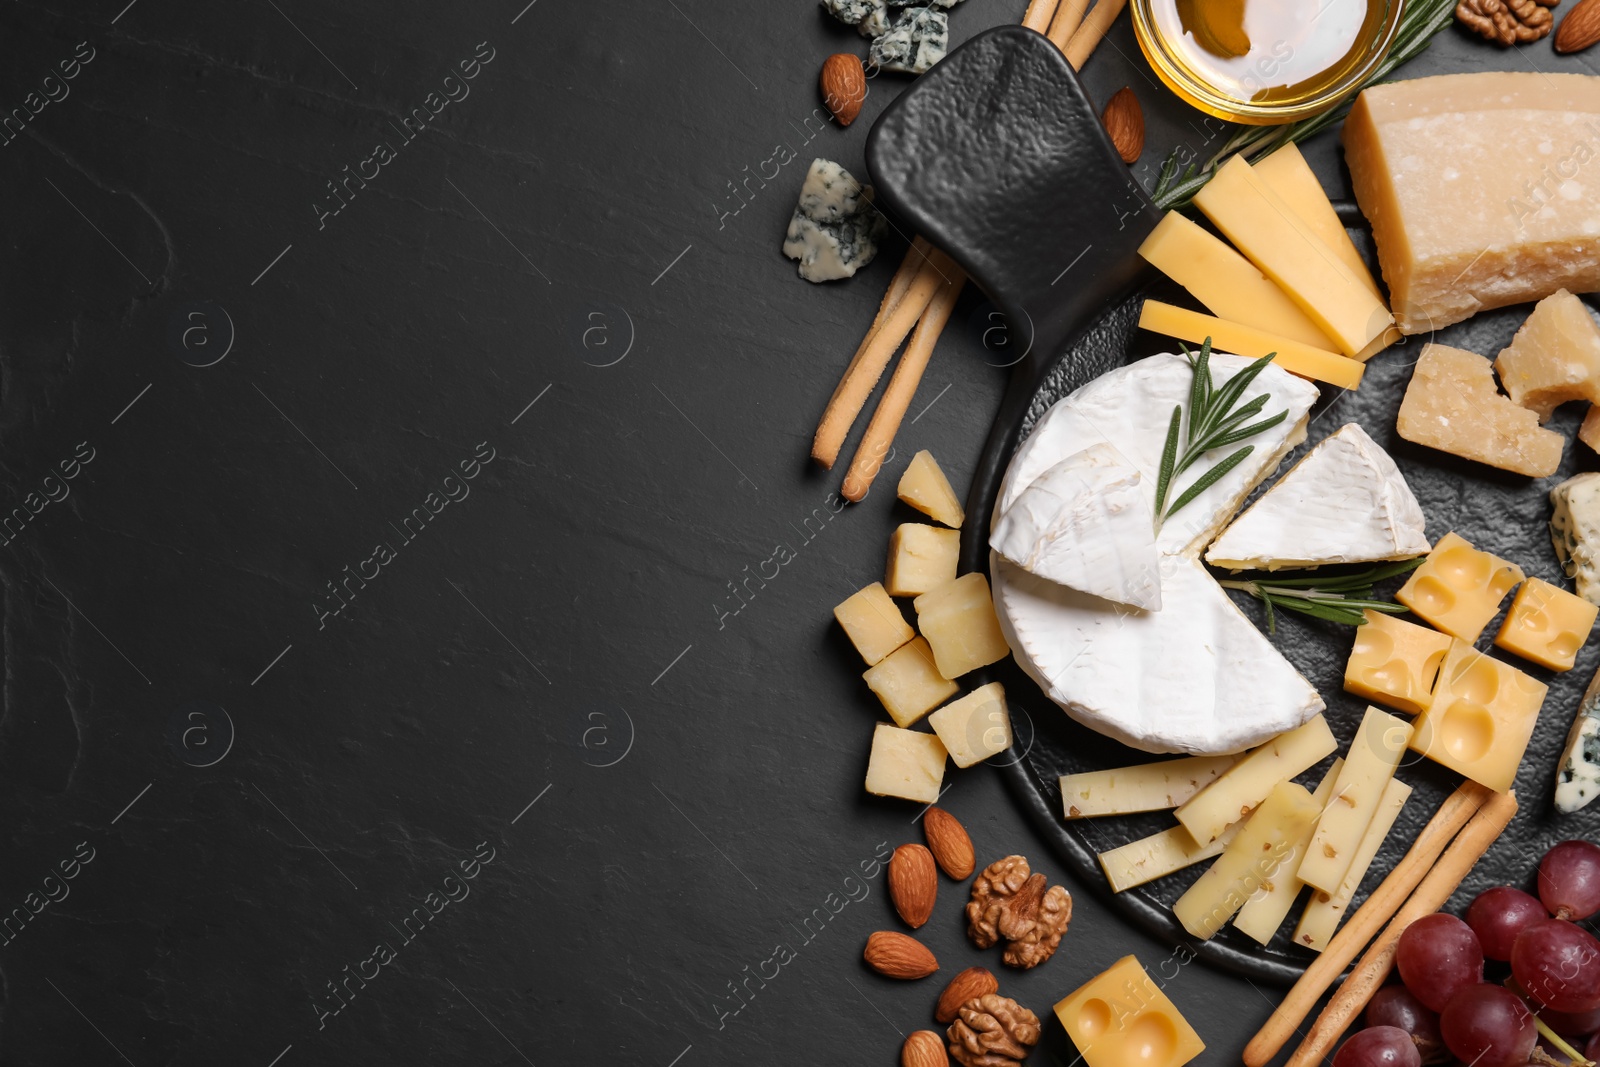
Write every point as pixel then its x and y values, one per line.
pixel 552 675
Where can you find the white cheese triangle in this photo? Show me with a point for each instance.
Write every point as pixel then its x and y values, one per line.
pixel 1085 524
pixel 1345 502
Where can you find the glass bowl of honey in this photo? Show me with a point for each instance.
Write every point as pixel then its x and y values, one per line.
pixel 1263 62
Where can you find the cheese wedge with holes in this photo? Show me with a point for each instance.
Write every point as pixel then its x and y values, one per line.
pixel 1483 189
pixel 1345 502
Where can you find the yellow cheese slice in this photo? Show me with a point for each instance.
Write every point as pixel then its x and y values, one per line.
pixel 1143 787
pixel 1264 912
pixel 1323 914
pixel 1247 783
pixel 1244 340
pixel 1374 754
pixel 1159 855
pixel 1275 239
pixel 1287 173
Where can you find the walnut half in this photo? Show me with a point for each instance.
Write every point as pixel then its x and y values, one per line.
pixel 1507 21
pixel 1007 902
pixel 992 1031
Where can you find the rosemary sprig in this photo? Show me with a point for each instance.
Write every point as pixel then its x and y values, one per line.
pixel 1420 22
pixel 1213 423
pixel 1333 598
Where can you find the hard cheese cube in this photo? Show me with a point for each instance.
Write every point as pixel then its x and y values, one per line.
pixel 976 726
pixel 1395 662
pixel 1478 188
pixel 908 683
pixel 920 558
pixel 925 488
pixel 873 623
pixel 958 620
pixel 1483 713
pixel 906 764
pixel 1458 588
pixel 1121 1017
pixel 1554 358
pixel 1452 404
pixel 1589 432
pixel 1547 625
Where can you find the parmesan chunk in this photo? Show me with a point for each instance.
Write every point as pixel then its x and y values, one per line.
pixel 1483 189
pixel 1554 358
pixel 1452 405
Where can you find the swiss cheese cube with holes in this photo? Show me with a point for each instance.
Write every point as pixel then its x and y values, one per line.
pixel 1394 662
pixel 1120 1018
pixel 905 764
pixel 1483 713
pixel 958 620
pixel 1554 358
pixel 1459 588
pixel 1547 625
pixel 908 683
pixel 1451 404
pixel 873 623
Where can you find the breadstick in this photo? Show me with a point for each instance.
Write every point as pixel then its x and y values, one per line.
pixel 1484 829
pixel 1092 32
pixel 1038 14
pixel 1347 944
pixel 878 439
pixel 862 375
pixel 1069 16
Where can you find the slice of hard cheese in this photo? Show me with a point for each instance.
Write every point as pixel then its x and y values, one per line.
pixel 1242 340
pixel 1452 404
pixel 1554 358
pixel 1345 502
pixel 1287 173
pixel 1481 188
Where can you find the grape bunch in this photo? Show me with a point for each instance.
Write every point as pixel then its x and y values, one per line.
pixel 1444 1009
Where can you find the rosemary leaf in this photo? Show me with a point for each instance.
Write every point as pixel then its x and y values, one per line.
pixel 1169 460
pixel 1234 388
pixel 1249 431
pixel 1211 477
pixel 1200 388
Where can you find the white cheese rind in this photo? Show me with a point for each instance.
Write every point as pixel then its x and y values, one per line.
pixel 1575 532
pixel 1345 502
pixel 1578 769
pixel 835 229
pixel 1086 524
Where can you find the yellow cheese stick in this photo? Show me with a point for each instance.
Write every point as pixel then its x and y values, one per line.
pixel 1243 340
pixel 1263 913
pixel 1322 914
pixel 1287 173
pixel 1251 859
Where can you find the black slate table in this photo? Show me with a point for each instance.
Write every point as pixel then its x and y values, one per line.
pixel 395 404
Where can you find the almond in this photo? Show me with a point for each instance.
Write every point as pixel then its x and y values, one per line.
pixel 950 844
pixel 1581 27
pixel 913 883
pixel 896 955
pixel 844 86
pixel 1124 121
pixel 924 1048
pixel 970 984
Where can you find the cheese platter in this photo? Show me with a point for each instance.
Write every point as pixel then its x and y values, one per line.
pixel 1197 554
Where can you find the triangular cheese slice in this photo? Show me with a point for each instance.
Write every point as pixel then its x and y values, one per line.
pixel 1345 502
pixel 1086 524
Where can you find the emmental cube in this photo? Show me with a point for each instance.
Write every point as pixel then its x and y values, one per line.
pixel 921 558
pixel 1458 588
pixel 1120 1017
pixel 1483 713
pixel 908 683
pixel 906 764
pixel 873 623
pixel 959 622
pixel 1395 662
pixel 1547 625
pixel 975 727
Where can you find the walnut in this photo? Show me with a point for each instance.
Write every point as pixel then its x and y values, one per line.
pixel 1507 21
pixel 1009 903
pixel 992 1031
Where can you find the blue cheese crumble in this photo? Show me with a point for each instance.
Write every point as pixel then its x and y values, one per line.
pixel 917 40
pixel 870 17
pixel 835 229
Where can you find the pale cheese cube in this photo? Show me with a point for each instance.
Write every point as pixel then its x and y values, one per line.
pixel 873 623
pixel 920 558
pixel 1554 358
pixel 958 620
pixel 925 488
pixel 1547 625
pixel 975 727
pixel 1452 404
pixel 906 764
pixel 908 683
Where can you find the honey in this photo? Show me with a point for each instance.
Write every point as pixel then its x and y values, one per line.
pixel 1264 61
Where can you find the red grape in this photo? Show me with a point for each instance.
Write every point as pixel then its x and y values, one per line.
pixel 1379 1046
pixel 1569 880
pixel 1439 954
pixel 1394 1005
pixel 1488 1026
pixel 1570 1023
pixel 1591 1051
pixel 1499 915
pixel 1558 965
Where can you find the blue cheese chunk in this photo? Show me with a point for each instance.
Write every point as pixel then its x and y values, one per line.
pixel 870 17
pixel 915 42
pixel 946 4
pixel 1578 769
pixel 1575 532
pixel 835 229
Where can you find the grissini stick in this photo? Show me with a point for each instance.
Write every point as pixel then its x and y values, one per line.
pixel 1092 32
pixel 862 375
pixel 1069 16
pixel 1039 14
pixel 879 438
pixel 1482 832
pixel 1367 920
